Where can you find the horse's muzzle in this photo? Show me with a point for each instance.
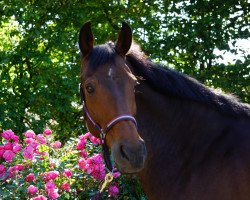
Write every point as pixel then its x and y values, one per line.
pixel 129 158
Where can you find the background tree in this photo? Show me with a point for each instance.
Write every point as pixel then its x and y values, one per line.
pixel 39 61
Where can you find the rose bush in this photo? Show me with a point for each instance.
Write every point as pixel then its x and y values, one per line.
pixel 40 168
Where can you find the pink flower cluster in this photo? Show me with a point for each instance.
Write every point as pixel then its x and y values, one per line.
pixel 50 186
pixel 11 172
pixel 32 142
pixel 32 189
pixel 56 145
pixel 30 177
pixel 51 175
pixel 65 186
pixel 10 135
pixel 55 182
pixel 67 173
pixel 51 190
pixel 114 189
pixel 11 146
pixel 94 166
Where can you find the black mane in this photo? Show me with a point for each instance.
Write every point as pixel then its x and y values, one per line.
pixel 168 81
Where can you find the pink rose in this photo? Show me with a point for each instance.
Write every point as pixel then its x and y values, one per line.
pixel 40 197
pixel 93 166
pixel 28 152
pixel 52 164
pixel 116 174
pixel 8 134
pixel 89 168
pixel 30 134
pixel 82 137
pixel 100 175
pixel 53 194
pixel 19 167
pixel 33 144
pixel 30 177
pixel 86 135
pixel 67 173
pixel 32 189
pixel 65 186
pixel 12 172
pixel 29 140
pixel 56 145
pixel 47 132
pixel 8 146
pixel 81 144
pixel 84 153
pixel 41 139
pixel 95 140
pixel 8 155
pixel 51 175
pixel 16 147
pixel 15 138
pixel 113 190
pixel 2 168
pixel 82 163
pixel 97 159
pixel 50 186
pixel 51 190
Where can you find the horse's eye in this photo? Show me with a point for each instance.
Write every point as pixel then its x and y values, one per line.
pixel 90 89
pixel 137 83
pixel 136 86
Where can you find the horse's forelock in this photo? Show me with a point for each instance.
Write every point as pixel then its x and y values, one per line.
pixel 101 55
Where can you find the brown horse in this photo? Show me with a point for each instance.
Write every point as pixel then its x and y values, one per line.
pixel 197 141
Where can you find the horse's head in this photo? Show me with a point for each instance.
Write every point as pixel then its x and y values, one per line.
pixel 108 87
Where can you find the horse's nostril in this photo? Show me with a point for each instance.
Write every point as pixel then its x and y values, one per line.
pixel 123 153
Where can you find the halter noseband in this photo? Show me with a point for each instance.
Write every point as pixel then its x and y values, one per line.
pixel 104 131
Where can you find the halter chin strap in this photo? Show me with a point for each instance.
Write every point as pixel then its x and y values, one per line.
pixel 104 131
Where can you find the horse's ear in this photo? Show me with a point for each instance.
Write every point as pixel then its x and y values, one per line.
pixel 86 39
pixel 124 40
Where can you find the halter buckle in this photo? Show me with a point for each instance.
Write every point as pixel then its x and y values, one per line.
pixel 108 179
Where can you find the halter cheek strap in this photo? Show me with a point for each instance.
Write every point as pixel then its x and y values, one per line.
pixel 104 131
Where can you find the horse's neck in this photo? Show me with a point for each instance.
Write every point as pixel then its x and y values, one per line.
pixel 174 131
pixel 163 117
pixel 189 147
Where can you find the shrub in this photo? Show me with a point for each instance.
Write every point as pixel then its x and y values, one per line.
pixel 40 168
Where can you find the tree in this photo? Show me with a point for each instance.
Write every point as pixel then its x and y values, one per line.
pixel 39 61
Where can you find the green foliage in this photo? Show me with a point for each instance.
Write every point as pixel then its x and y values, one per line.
pixel 39 61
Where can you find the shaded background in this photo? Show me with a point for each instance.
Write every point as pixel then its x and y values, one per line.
pixel 40 62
